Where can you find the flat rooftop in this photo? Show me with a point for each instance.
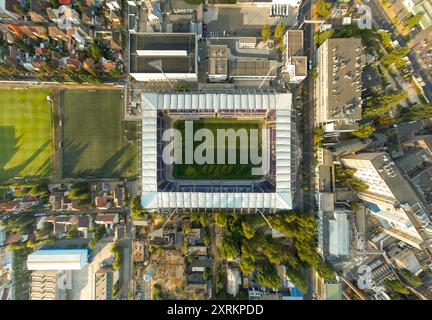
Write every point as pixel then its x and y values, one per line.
pixel 300 64
pixel 218 59
pixel 253 67
pixel 294 43
pixel 345 61
pixel 175 50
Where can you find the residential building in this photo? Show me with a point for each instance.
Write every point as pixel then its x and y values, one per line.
pixel 390 198
pixel 7 11
pixel 420 7
pixel 163 56
pixel 339 85
pixel 295 63
pixel 107 219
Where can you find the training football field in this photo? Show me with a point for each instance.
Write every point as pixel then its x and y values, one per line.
pixel 25 133
pixel 96 142
pixel 217 171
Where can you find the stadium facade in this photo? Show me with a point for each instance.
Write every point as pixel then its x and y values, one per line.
pixel 161 193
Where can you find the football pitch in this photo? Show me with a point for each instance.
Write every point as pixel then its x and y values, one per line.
pixel 226 171
pixel 96 142
pixel 25 133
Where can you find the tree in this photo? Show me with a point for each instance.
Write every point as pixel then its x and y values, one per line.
pixel 274 252
pixel 265 32
pixel 364 131
pixel 280 30
pixel 137 211
pixel 413 20
pixel 268 276
pixel 397 286
pixel 323 9
pixel 79 191
pixel 410 277
pixel 72 233
pixel 220 219
pixel 325 270
pixel 116 251
pixel 247 265
pixel 298 277
pixel 248 230
pixel 229 249
pixel 417 112
pixel 39 190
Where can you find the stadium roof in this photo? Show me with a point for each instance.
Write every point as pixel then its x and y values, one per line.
pixel 62 259
pixel 152 199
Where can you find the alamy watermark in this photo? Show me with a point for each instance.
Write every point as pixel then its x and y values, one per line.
pixel 213 149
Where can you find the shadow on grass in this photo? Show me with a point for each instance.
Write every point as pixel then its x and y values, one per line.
pixel 9 146
pixel 72 153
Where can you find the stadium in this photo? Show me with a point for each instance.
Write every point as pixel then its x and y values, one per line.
pixel 212 187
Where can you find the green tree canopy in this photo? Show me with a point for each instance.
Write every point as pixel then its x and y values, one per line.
pixel 265 32
pixel 248 230
pixel 220 219
pixel 323 9
pixel 364 131
pixel 268 276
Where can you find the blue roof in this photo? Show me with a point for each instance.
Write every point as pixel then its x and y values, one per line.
pixel 295 292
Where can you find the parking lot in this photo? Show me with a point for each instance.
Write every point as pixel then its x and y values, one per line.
pixel 242 21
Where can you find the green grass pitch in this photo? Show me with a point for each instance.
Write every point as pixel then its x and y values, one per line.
pixel 25 133
pixel 218 171
pixel 97 143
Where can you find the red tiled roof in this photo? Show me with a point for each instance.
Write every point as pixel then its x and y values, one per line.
pixel 64 2
pixel 6 206
pixel 101 201
pixel 107 218
pixel 14 238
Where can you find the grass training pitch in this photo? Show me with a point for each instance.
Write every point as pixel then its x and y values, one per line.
pixel 25 133
pixel 97 143
pixel 216 171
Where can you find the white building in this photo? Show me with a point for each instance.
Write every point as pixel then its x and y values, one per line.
pixel 391 198
pixel 198 104
pixel 339 240
pixel 74 259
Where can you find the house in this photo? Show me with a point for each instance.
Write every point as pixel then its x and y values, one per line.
pixel 7 12
pixel 102 202
pixel 107 219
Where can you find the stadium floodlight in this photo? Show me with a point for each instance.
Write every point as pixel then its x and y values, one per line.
pixel 157 64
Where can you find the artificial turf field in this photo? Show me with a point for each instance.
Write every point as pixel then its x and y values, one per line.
pixel 215 171
pixel 96 141
pixel 25 133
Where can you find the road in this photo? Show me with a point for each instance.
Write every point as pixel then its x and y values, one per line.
pixel 308 130
pixel 384 22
